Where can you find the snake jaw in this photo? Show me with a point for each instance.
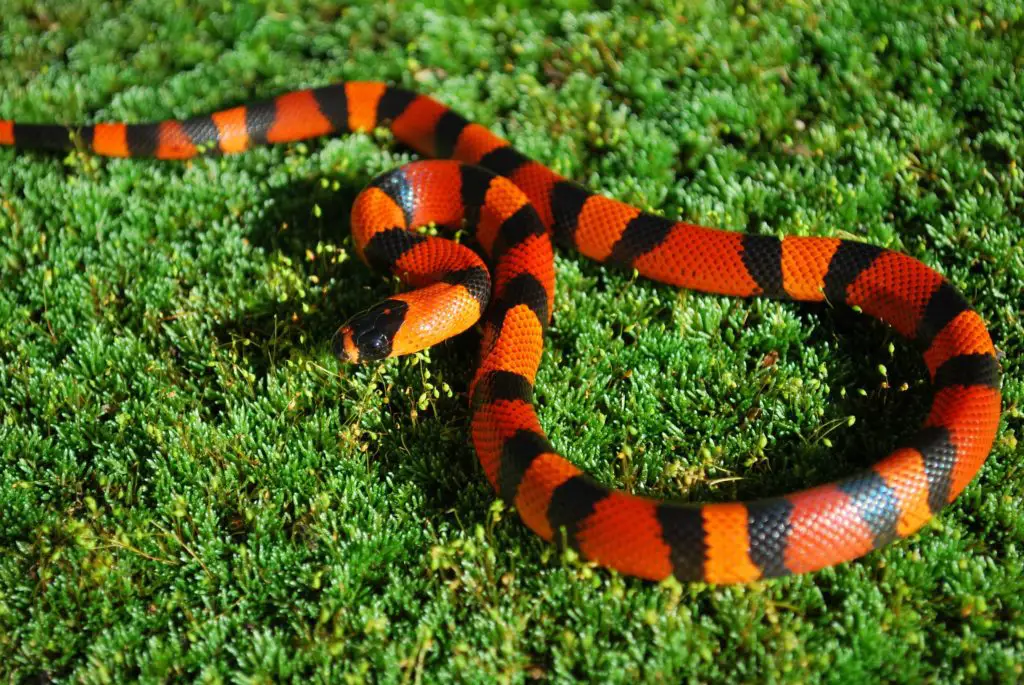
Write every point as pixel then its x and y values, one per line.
pixel 344 347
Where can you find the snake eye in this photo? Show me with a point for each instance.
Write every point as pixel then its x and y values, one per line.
pixel 373 345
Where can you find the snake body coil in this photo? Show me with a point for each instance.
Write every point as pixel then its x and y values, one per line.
pixel 514 207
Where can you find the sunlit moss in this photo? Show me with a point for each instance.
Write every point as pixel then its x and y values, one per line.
pixel 191 487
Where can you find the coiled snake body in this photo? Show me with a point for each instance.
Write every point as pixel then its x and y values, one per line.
pixel 513 207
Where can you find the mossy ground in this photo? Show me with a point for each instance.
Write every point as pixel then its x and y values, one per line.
pixel 190 486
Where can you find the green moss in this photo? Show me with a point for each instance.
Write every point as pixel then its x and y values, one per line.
pixel 191 487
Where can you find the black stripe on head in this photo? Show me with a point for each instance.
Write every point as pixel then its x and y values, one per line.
pixel 503 160
pixel 943 306
pixel 939 455
pixel 682 529
pixel 48 136
pixel 517 228
pixel 641 235
pixel 446 133
pixel 768 528
pixel 202 132
pixel 385 247
pixel 517 454
pixel 475 183
pixel 333 104
pixel 762 255
pixel 476 280
pixel 259 118
pixel 968 370
pixel 571 503
pixel 850 260
pixel 396 185
pixel 373 331
pixel 142 139
pixel 392 103
pixel 567 200
pixel 876 503
pixel 523 289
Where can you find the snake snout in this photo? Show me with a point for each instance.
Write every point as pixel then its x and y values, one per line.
pixel 344 346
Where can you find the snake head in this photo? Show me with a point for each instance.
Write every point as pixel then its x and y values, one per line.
pixel 369 337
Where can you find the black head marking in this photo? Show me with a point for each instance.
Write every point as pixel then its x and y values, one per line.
pixel 373 332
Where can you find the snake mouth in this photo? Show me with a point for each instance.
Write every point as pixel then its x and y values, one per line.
pixel 345 348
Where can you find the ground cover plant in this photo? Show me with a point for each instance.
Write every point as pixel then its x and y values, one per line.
pixel 191 486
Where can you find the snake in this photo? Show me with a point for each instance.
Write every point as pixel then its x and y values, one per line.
pixel 490 264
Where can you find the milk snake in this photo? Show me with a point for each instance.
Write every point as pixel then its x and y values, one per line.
pixel 511 209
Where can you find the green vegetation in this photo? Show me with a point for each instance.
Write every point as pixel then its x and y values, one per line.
pixel 191 486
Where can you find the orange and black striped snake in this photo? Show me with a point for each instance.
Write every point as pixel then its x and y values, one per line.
pixel 513 208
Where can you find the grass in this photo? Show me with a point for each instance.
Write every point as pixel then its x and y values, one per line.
pixel 191 487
